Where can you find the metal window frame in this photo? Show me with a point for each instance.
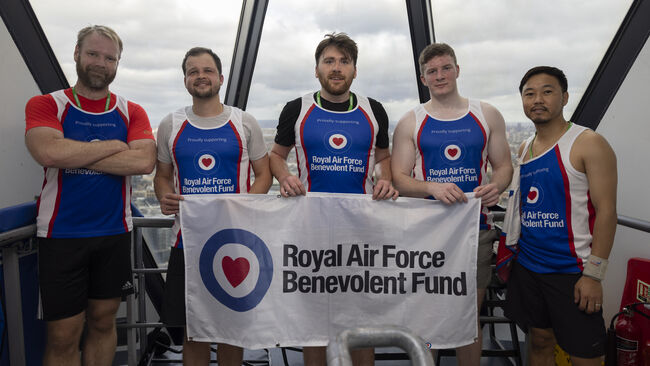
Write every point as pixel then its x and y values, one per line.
pixel 249 34
pixel 422 34
pixel 615 65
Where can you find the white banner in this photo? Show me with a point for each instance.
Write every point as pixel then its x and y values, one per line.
pixel 263 271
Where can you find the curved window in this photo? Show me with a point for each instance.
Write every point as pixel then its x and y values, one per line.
pixel 156 35
pixel 496 42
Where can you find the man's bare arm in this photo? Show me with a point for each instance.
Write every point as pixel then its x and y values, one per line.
pixel 51 149
pixel 290 185
pixel 593 155
pixel 163 185
pixel 600 168
pixel 499 157
pixel 263 178
pixel 383 189
pixel 140 158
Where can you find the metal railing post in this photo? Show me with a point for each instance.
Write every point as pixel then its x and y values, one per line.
pixel 132 356
pixel 141 291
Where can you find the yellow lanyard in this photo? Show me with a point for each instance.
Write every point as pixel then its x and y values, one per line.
pixel 320 105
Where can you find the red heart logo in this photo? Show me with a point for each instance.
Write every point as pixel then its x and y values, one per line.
pixel 532 195
pixel 337 141
pixel 235 270
pixel 452 152
pixel 206 162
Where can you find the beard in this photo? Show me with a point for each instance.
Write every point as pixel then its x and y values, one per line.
pixel 539 120
pixel 97 78
pixel 335 89
pixel 204 94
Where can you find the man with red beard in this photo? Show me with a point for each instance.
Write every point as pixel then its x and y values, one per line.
pixel 90 142
pixel 340 139
pixel 205 140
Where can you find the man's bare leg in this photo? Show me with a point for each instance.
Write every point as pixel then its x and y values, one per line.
pixel 229 355
pixel 316 356
pixel 541 350
pixel 470 355
pixel 196 353
pixel 101 339
pixel 62 347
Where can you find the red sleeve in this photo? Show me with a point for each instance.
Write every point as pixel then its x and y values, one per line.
pixel 139 126
pixel 41 111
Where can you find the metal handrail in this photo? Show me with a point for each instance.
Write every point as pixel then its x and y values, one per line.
pixel 627 221
pixel 633 223
pixel 9 238
pixel 338 350
pixel 153 222
pixel 141 325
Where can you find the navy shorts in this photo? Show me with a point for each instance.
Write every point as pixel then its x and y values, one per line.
pixel 546 301
pixel 73 270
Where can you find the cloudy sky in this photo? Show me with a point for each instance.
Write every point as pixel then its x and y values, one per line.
pixel 496 41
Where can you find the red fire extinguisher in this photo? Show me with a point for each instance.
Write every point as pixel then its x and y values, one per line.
pixel 632 337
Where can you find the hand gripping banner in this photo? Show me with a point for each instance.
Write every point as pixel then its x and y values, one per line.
pixel 264 271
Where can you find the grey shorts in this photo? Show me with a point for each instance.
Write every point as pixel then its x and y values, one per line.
pixel 484 254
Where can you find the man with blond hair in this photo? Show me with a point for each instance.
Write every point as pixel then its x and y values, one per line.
pixel 90 141
pixel 441 150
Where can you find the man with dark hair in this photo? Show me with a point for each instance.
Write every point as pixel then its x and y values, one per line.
pixel 568 219
pixel 441 150
pixel 187 152
pixel 90 141
pixel 329 126
pixel 549 70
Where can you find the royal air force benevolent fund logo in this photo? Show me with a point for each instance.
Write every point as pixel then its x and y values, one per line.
pixel 206 161
pixel 533 195
pixel 453 152
pixel 236 268
pixel 338 141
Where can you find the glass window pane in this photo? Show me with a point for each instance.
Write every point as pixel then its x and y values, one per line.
pixel 156 35
pixel 496 42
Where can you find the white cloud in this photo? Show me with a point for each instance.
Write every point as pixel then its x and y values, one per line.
pixel 496 42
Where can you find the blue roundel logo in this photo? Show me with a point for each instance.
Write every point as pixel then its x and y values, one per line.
pixel 236 268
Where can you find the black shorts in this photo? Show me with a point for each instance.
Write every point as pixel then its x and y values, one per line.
pixel 173 307
pixel 546 301
pixel 73 270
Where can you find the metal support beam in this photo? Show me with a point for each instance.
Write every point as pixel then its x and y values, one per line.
pixel 21 22
pixel 619 58
pixel 247 44
pixel 422 35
